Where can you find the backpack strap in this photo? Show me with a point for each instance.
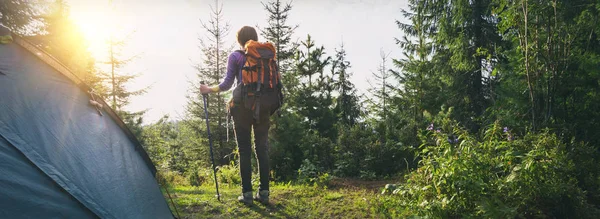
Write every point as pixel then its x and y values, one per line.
pixel 258 93
pixel 241 63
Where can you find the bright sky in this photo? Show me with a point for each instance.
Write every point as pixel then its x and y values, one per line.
pixel 166 38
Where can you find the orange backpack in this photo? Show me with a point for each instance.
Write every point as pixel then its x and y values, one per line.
pixel 261 81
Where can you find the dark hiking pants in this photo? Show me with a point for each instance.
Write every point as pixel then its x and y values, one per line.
pixel 244 123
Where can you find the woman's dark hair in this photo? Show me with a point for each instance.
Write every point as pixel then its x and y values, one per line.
pixel 246 33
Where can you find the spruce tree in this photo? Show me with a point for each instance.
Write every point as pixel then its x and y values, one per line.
pixel 347 103
pixel 287 131
pixel 211 70
pixel 465 37
pixel 378 99
pixel 311 61
pixel 18 16
pixel 418 92
pixel 280 33
pixel 119 95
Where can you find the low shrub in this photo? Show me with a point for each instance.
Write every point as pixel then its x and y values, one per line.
pixel 171 178
pixel 494 175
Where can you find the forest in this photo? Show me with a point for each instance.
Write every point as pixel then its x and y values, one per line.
pixel 490 111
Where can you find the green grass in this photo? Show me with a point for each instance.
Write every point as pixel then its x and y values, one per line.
pixel 287 201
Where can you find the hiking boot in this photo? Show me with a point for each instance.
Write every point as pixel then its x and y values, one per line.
pixel 262 197
pixel 245 198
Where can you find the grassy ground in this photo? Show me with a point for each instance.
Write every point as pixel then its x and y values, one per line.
pixel 342 200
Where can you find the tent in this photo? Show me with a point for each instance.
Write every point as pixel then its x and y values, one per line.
pixel 60 155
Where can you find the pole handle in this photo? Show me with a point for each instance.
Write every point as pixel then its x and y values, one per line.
pixel 204 96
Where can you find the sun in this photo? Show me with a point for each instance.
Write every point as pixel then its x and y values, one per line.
pixel 97 26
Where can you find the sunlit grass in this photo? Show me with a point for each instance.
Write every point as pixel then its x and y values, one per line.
pixel 287 201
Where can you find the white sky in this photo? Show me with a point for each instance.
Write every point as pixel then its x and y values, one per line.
pixel 166 38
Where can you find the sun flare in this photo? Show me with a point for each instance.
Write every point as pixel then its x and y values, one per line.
pixel 97 26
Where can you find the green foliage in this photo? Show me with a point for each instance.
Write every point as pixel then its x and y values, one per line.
pixel 19 16
pixel 312 175
pixel 548 76
pixel 497 174
pixel 318 150
pixel 285 152
pixel 174 146
pixel 198 176
pixel 351 150
pixel 229 174
pixel 347 108
pixel 308 172
pixel 280 33
pixel 314 100
pixel 171 178
pixel 211 70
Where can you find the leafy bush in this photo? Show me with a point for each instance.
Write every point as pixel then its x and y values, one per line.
pixel 310 174
pixel 171 178
pixel 498 175
pixel 229 174
pixel 196 177
pixel 351 150
pixel 307 172
pixel 318 150
pixel 226 175
pixel 285 150
pixel 360 152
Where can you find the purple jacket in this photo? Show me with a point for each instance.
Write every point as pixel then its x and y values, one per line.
pixel 235 63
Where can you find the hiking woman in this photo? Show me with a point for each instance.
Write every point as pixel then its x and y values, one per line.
pixel 255 117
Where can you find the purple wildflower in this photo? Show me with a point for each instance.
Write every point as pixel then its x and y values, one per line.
pixel 452 140
pixel 430 127
pixel 505 129
pixel 438 130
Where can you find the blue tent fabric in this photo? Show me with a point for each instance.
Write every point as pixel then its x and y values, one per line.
pixel 49 120
pixel 38 187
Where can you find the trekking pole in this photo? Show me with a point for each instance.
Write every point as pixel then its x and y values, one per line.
pixel 205 98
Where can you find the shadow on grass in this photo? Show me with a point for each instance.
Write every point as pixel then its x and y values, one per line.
pixel 271 210
pixel 200 202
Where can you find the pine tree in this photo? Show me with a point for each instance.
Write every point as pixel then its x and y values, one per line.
pixel 286 131
pixel 310 100
pixel 382 91
pixel 418 92
pixel 379 89
pixel 347 103
pixel 18 15
pixel 211 71
pixel 465 39
pixel 312 116
pixel 119 95
pixel 280 33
